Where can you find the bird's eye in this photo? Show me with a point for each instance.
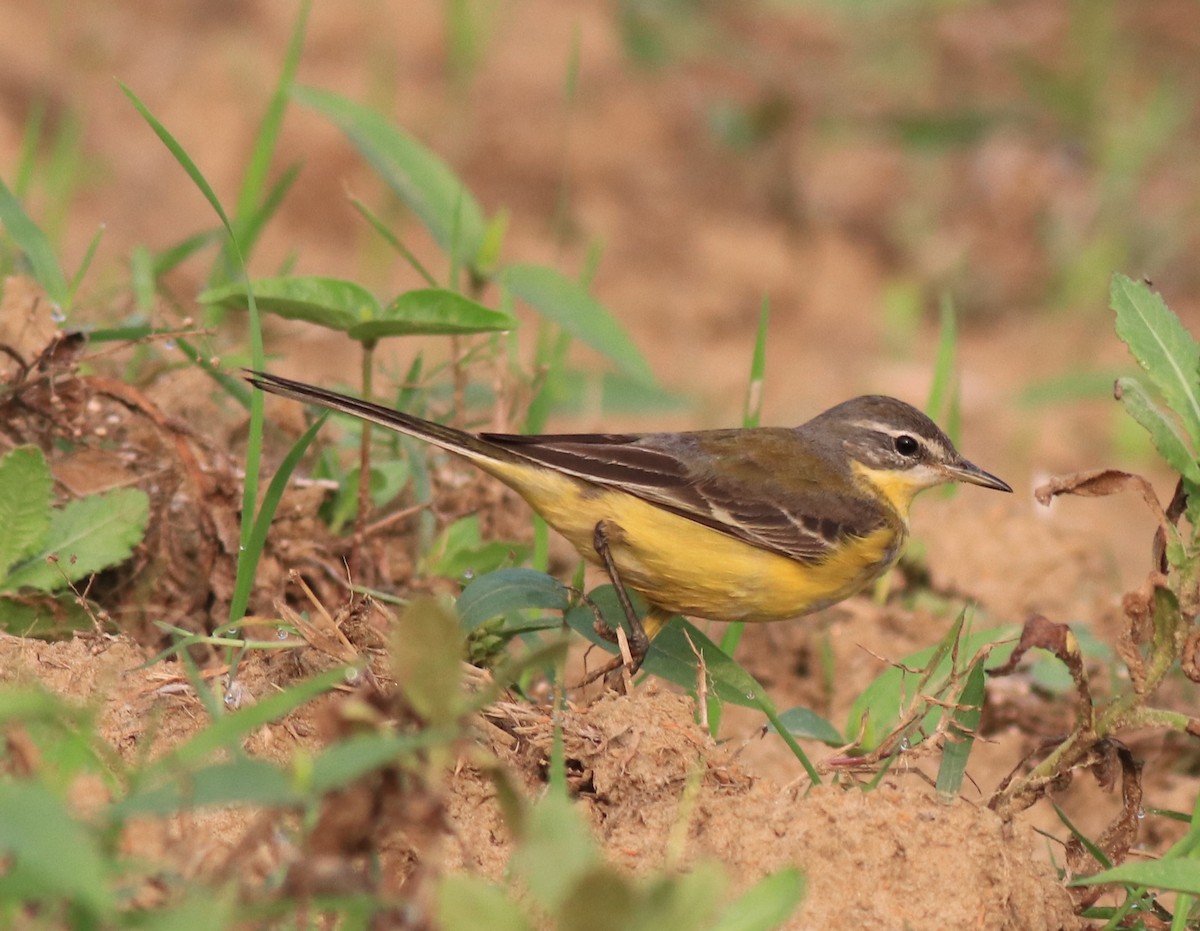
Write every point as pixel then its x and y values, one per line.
pixel 906 445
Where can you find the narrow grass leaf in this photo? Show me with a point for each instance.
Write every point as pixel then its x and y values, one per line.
pixel 49 850
pixel 568 304
pixel 87 535
pixel 765 905
pixel 257 537
pixel 393 240
pixel 26 486
pixel 1161 426
pixel 414 173
pixel 254 446
pixel 241 781
pixel 84 265
pixel 180 155
pixel 1170 875
pixel 497 593
pixel 174 256
pixel 228 731
pixel 752 410
pixel 249 218
pixel 250 228
pixel 940 391
pixel 32 242
pixel 329 302
pixel 1088 844
pixel 1162 346
pixel 961 737
pixel 235 387
pixel 432 312
pixel 347 760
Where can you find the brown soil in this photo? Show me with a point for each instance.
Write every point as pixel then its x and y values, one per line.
pixel 694 235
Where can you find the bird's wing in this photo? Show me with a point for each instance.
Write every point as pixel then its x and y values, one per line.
pixel 746 490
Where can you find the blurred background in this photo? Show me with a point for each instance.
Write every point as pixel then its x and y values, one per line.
pixel 856 164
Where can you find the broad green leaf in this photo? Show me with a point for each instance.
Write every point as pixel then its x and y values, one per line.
pixel 1172 875
pixel 671 656
pixel 1162 346
pixel 765 905
pixel 87 535
pixel 803 722
pixel 678 903
pixel 432 312
pixel 556 852
pixel 414 173
pixel 49 851
pixel 200 910
pixel 50 617
pixel 878 707
pixel 467 903
pixel 568 304
pixel 329 302
pixel 36 247
pixel 497 593
pixel 604 899
pixel 426 652
pixel 461 551
pixel 1161 426
pixel 25 489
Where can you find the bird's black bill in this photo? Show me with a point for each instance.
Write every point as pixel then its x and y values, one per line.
pixel 969 472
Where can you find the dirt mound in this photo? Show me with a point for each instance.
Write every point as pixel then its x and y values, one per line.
pixel 655 787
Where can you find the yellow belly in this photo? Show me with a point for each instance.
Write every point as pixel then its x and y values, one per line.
pixel 684 567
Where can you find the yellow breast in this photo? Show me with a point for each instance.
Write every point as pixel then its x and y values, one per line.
pixel 688 568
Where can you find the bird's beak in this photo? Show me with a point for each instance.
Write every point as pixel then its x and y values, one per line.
pixel 963 471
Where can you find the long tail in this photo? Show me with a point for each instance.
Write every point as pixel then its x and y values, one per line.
pixel 456 441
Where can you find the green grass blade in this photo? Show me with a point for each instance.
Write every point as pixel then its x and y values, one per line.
pixel 568 304
pixel 31 139
pixel 414 173
pixel 29 238
pixel 393 240
pixel 1170 875
pixel 958 745
pixel 228 731
pixel 173 256
pixel 252 549
pixel 752 411
pixel 84 265
pixel 942 388
pixel 254 446
pixel 268 134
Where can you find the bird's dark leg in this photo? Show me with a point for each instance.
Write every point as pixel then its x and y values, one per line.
pixel 639 643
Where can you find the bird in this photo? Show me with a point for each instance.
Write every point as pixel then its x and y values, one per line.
pixel 740 524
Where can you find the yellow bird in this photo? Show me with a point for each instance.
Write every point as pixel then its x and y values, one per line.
pixel 760 524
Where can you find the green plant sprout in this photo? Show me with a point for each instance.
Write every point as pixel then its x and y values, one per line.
pixel 1162 637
